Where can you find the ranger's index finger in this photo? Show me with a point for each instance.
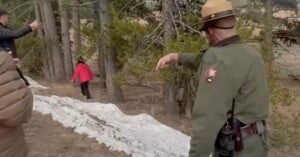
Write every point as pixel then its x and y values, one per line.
pixel 158 65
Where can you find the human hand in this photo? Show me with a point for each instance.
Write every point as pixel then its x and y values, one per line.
pixel 166 60
pixel 34 25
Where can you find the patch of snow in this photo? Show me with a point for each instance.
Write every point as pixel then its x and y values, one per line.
pixel 285 14
pixel 140 21
pixel 139 136
pixel 289 61
pixel 34 84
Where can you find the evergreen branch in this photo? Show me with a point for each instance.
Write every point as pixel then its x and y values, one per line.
pixel 156 29
pixel 126 5
pixel 19 6
pixel 189 27
pixel 24 12
pixel 178 9
pixel 174 23
pixel 137 5
pixel 153 41
pixel 31 50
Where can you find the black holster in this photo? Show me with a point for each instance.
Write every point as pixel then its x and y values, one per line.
pixel 229 139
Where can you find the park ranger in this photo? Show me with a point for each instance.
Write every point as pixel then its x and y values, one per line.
pixel 232 100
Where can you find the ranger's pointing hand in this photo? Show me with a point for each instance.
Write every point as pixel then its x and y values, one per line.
pixel 166 60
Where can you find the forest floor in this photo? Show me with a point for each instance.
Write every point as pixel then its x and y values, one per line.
pixel 47 138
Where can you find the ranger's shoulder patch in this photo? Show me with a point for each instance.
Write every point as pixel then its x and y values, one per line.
pixel 211 74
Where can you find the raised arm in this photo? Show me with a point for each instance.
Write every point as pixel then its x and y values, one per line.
pixel 189 60
pixel 6 33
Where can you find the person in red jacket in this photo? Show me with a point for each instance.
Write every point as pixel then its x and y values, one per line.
pixel 84 73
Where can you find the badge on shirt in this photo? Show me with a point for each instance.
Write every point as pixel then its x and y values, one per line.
pixel 210 74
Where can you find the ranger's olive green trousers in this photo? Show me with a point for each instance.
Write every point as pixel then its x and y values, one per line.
pixel 254 146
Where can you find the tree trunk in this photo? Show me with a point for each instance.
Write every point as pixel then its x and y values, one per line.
pixel 268 46
pixel 65 38
pixel 53 36
pixel 167 10
pixel 169 88
pixel 47 41
pixel 101 61
pixel 114 90
pixel 46 68
pixel 76 29
pixel 101 65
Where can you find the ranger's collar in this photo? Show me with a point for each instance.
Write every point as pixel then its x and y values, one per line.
pixel 230 40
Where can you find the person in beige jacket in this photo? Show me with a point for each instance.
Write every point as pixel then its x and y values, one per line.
pixel 16 102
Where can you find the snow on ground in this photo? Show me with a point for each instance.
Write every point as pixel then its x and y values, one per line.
pixel 34 84
pixel 289 61
pixel 139 135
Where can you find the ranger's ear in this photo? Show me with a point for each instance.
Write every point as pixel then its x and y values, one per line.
pixel 209 31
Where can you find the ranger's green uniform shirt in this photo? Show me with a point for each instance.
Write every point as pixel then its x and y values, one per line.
pixel 228 70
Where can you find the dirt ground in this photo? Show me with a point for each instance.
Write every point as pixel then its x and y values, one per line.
pixel 47 138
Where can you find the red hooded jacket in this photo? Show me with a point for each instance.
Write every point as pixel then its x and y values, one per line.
pixel 83 72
